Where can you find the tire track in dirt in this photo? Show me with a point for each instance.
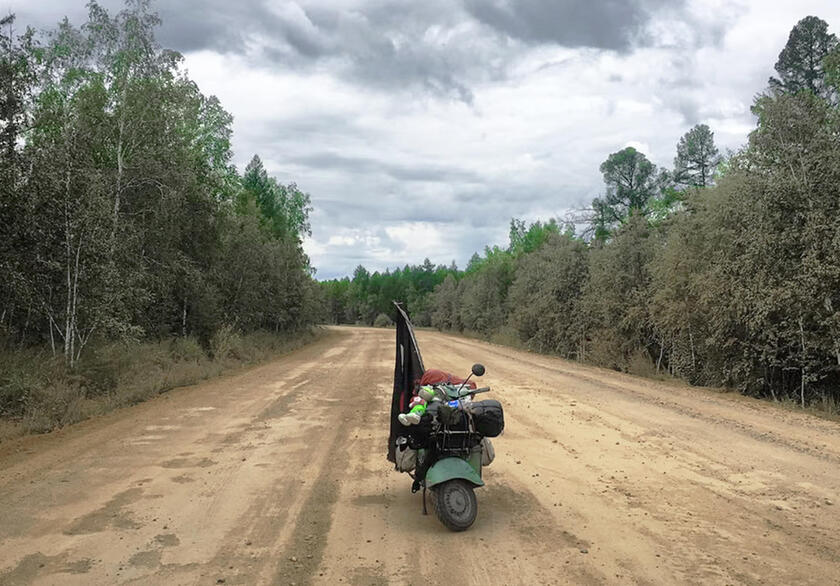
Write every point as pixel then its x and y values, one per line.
pixel 304 551
pixel 274 527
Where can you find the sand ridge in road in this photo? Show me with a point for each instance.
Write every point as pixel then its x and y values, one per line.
pixel 277 475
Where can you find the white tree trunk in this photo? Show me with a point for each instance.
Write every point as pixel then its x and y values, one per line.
pixel 659 361
pixel 119 186
pixel 184 320
pixel 68 255
pixel 691 342
pixel 802 341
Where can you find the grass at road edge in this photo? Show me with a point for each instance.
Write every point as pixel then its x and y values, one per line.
pixel 38 394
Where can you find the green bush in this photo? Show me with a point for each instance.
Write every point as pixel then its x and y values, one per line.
pixel 226 343
pixel 23 373
pixel 56 405
pixel 382 321
pixel 186 349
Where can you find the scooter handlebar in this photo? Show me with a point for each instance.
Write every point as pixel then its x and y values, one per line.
pixel 466 392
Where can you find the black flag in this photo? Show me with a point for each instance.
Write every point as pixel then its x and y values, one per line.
pixel 407 372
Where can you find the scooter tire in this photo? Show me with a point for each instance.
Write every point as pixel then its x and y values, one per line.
pixel 455 504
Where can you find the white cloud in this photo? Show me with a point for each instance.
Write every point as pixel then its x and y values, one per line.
pixel 642 147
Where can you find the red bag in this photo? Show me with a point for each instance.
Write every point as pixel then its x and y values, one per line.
pixel 434 376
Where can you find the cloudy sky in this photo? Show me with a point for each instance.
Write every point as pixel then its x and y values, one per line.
pixel 420 128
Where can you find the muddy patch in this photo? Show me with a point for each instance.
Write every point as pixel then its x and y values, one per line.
pixel 377 500
pixel 188 463
pixel 281 406
pixel 167 540
pixel 110 515
pixel 38 564
pixel 145 559
pixel 362 576
pixel 78 567
pixel 182 479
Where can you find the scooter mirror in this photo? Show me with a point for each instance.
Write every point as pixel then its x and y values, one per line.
pixel 478 369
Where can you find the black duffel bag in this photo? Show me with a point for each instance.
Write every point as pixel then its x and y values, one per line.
pixel 488 417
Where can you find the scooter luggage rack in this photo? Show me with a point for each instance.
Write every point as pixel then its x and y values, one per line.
pixel 457 442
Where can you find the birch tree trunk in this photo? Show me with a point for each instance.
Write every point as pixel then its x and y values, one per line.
pixel 803 369
pixel 68 254
pixel 119 186
pixel 691 342
pixel 184 319
pixel 659 361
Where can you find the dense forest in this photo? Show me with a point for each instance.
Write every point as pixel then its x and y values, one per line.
pixel 723 270
pixel 123 218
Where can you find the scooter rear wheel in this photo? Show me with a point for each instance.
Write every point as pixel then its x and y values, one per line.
pixel 455 504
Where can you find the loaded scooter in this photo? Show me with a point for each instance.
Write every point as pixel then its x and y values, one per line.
pixel 439 433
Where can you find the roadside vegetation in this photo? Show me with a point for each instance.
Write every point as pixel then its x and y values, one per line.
pixel 40 393
pixel 722 270
pixel 134 257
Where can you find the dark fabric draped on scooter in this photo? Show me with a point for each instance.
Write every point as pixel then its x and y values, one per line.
pixel 407 372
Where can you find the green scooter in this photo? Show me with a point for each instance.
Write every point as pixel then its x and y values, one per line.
pixel 457 450
pixel 445 449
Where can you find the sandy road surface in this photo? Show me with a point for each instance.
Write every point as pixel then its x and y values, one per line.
pixel 278 475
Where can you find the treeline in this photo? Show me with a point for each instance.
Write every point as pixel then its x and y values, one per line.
pixel 123 218
pixel 721 271
pixel 366 297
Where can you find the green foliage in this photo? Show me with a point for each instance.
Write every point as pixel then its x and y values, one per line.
pixel 630 179
pixel 124 220
pixel 831 63
pixel 614 302
pixel 525 239
pixel 545 296
pixel 483 294
pixel 665 205
pixel 135 257
pixel 446 303
pixel 225 343
pixel 284 209
pixel 383 321
pixel 632 184
pixel 697 157
pixel 367 295
pixel 801 64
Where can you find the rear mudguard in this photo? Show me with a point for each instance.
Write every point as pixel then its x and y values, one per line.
pixel 449 468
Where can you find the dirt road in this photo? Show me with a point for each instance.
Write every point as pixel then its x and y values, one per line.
pixel 278 475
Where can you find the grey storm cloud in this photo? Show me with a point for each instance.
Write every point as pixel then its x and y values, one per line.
pixel 193 25
pixel 602 24
pixel 381 44
pixel 443 47
pixel 317 29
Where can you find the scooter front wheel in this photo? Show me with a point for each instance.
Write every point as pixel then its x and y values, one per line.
pixel 455 504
